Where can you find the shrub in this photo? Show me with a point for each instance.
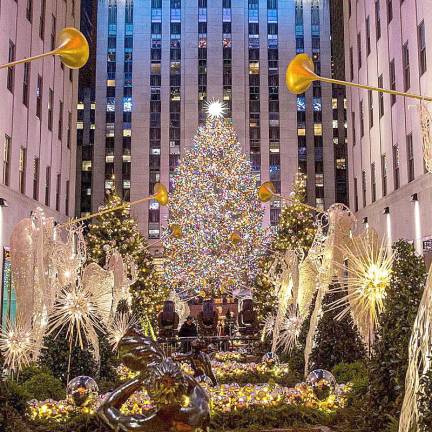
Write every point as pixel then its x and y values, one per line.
pixel 389 361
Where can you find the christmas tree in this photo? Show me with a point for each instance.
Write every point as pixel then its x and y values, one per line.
pixel 336 340
pixel 389 361
pixel 215 218
pixel 117 229
pixel 295 231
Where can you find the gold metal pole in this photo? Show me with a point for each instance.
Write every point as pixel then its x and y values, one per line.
pixel 107 210
pixel 299 203
pixel 28 59
pixel 373 88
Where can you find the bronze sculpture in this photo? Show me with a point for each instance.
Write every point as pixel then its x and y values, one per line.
pixel 200 361
pixel 167 386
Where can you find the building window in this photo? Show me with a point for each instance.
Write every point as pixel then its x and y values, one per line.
pixel 378 19
pixel 373 182
pixel 53 31
pixel 361 111
pixel 392 74
pixel 47 185
pixel 364 188
pixel 406 66
pixel 6 159
pixel 26 83
pixel 353 127
pixel 69 129
pixel 50 108
pixel 396 175
pixel 384 174
pixel 36 165
pixel 371 111
pixel 58 191
pixel 22 169
pixel 42 20
pixel 368 40
pixel 29 10
pixel 359 54
pixel 410 157
pixel 389 11
pixel 351 63
pixel 67 198
pixel 422 48
pixel 39 97
pixel 381 96
pixel 60 122
pixel 11 70
pixel 356 201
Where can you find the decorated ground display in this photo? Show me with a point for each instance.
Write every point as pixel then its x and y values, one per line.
pixel 328 326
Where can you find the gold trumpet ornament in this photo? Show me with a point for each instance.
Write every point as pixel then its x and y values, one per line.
pixel 72 48
pixel 235 237
pixel 300 74
pixel 176 230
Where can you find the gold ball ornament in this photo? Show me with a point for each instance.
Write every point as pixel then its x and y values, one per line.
pixel 161 194
pixel 176 230
pixel 266 191
pixel 235 237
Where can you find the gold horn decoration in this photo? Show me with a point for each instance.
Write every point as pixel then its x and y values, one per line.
pixel 266 191
pixel 176 230
pixel 161 194
pixel 300 75
pixel 235 237
pixel 72 48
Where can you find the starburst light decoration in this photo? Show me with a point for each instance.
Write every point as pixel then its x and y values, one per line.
pixel 368 265
pixel 214 195
pixel 215 108
pixel 118 328
pixel 77 309
pixel 17 344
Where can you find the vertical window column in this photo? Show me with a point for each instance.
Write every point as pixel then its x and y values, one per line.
pixel 127 100
pixel 227 55
pixel 254 88
pixel 202 59
pixel 273 90
pixel 110 104
pixel 155 113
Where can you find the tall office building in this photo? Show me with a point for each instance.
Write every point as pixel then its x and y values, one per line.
pixel 159 61
pixel 37 118
pixel 386 46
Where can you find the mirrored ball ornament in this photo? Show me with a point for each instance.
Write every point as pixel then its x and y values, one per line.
pixel 322 382
pixel 82 390
pixel 270 358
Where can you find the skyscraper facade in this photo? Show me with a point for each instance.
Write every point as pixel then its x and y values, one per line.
pixel 37 121
pixel 386 46
pixel 159 61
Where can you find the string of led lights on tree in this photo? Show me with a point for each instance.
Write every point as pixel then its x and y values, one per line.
pixel 215 234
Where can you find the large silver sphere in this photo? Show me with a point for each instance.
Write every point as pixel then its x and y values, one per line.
pixel 322 382
pixel 82 390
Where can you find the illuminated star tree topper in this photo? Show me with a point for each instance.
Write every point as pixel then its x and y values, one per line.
pixel 215 205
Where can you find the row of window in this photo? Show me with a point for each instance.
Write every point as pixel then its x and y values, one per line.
pixel 22 169
pixel 396 174
pixel 421 48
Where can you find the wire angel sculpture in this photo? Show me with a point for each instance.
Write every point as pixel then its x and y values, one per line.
pixel 125 274
pixel 325 251
pixel 419 359
pixel 425 127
